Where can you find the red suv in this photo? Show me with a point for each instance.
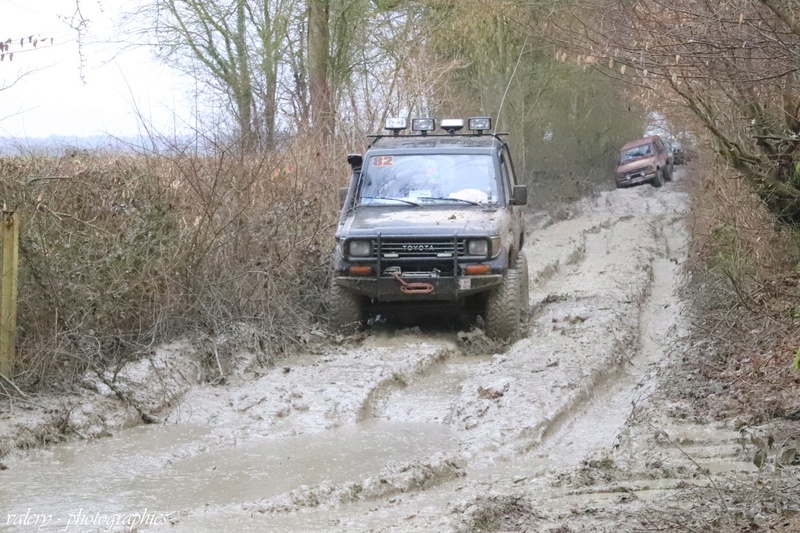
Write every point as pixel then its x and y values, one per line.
pixel 643 160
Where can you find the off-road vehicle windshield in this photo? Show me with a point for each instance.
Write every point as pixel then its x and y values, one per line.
pixel 423 179
pixel 637 152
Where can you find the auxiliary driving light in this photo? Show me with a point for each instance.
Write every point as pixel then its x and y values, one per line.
pixel 452 125
pixel 423 124
pixel 396 124
pixel 480 123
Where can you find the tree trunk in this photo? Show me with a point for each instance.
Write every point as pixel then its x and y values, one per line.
pixel 322 113
pixel 243 88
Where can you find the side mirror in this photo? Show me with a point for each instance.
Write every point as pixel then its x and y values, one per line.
pixel 520 196
pixel 342 196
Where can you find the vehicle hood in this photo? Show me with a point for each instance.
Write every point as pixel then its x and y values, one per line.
pixel 637 164
pixel 423 221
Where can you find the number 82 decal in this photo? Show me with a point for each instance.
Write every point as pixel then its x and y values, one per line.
pixel 383 161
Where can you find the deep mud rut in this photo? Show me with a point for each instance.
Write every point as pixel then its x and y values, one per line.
pixel 413 431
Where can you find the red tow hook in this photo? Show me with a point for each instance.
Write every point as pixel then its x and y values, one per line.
pixel 413 288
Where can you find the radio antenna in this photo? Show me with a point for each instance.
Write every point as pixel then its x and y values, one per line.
pixel 508 85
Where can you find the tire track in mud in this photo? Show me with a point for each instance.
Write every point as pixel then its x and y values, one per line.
pixel 400 379
pixel 597 282
pixel 583 331
pixel 680 456
pixel 595 419
pixel 452 379
pixel 641 317
pixel 314 393
pixel 556 301
pixel 616 391
pixel 564 391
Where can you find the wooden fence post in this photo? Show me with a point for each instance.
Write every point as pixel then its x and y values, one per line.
pixel 9 236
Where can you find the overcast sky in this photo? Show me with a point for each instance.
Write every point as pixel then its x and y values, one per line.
pixel 56 96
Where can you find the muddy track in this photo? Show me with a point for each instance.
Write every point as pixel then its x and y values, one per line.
pixel 405 431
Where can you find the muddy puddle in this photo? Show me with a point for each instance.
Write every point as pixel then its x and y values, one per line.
pixel 169 468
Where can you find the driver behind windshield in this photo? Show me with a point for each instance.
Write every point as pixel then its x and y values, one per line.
pixel 466 177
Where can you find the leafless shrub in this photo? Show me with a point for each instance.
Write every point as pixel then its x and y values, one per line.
pixel 744 292
pixel 120 251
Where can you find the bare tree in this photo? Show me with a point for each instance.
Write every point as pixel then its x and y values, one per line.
pixel 734 64
pixel 323 117
pixel 273 60
pixel 237 44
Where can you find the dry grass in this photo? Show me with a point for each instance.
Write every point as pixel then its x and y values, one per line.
pixel 746 295
pixel 119 252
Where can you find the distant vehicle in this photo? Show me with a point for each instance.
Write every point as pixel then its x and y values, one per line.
pixel 644 160
pixel 682 154
pixel 678 155
pixel 433 218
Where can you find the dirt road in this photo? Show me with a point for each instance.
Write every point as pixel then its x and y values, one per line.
pixel 421 429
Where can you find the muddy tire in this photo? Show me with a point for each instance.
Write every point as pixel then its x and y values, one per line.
pixel 504 305
pixel 667 174
pixel 658 180
pixel 346 310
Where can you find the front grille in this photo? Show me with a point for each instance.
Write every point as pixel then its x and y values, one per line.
pixel 637 173
pixel 421 248
pixel 430 256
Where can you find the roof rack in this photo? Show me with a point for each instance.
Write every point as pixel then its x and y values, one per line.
pixel 472 135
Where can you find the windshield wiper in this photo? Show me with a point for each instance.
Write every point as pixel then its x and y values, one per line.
pixel 409 202
pixel 448 199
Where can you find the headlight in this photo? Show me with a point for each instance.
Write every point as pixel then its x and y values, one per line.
pixel 359 248
pixel 478 247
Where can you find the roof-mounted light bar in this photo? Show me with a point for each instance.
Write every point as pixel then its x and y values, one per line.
pixel 452 125
pixel 423 125
pixel 480 124
pixel 396 124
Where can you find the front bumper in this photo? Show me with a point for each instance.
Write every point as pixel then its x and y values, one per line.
pixel 449 289
pixel 635 178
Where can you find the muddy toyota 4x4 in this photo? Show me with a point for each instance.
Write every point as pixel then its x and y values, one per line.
pixel 433 218
pixel 644 160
